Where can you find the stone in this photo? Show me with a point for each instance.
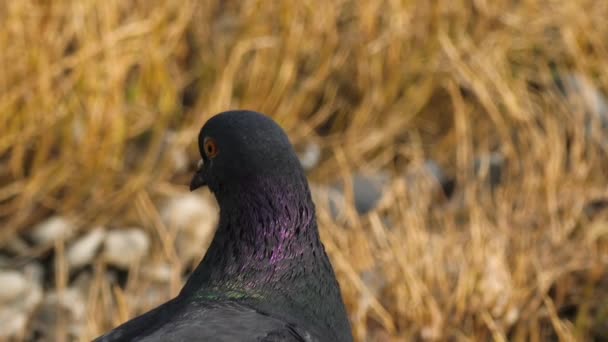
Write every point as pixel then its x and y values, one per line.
pixel 125 247
pixel 177 153
pixel 67 305
pixel 51 229
pixel 14 284
pixel 20 294
pixel 160 272
pixel 490 166
pixel 83 250
pixel 310 156
pixel 193 218
pixel 369 187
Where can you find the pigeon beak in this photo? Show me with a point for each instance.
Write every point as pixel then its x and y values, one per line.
pixel 198 180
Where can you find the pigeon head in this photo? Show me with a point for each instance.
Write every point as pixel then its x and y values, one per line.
pixel 239 148
pixel 266 211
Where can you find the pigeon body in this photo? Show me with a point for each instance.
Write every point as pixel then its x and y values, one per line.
pixel 265 276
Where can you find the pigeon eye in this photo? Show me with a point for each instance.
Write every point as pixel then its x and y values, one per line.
pixel 210 148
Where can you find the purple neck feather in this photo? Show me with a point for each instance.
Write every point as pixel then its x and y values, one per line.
pixel 265 230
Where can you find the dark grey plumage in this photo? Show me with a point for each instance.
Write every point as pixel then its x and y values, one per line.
pixel 265 276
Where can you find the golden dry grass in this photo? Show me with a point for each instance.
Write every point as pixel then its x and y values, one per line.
pixel 90 89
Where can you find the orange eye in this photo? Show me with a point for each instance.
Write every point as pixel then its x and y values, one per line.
pixel 210 147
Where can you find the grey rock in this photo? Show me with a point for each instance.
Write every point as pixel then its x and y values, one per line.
pixel 68 306
pixel 428 172
pixel 330 198
pixel 584 97
pixel 34 272
pixel 369 187
pixel 433 169
pixel 595 207
pixel 579 87
pixel 83 281
pixel 367 190
pixel 491 167
pixel 375 282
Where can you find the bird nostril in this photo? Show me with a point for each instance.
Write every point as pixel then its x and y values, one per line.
pixel 200 164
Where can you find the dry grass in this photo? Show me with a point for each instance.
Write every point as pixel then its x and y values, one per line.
pixel 90 90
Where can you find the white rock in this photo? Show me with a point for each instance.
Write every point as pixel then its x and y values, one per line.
pixel 150 296
pixel 177 152
pixel 124 247
pixel 12 323
pixel 14 284
pixel 310 156
pixel 158 272
pixel 180 211
pixel 194 218
pixel 180 159
pixel 54 228
pixel 84 249
pixel 20 297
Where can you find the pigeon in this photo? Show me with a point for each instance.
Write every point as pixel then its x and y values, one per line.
pixel 266 275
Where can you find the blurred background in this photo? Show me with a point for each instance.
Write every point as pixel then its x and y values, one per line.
pixel 457 152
